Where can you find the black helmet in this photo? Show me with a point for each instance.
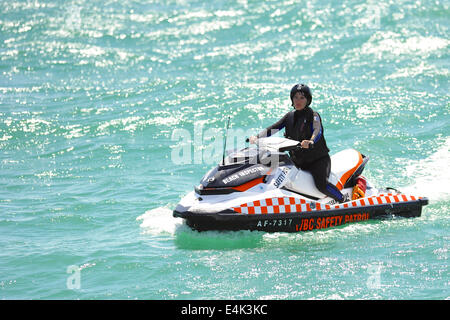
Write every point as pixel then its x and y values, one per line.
pixel 303 88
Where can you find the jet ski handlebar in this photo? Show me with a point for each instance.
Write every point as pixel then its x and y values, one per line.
pixel 291 148
pixel 292 145
pixel 296 147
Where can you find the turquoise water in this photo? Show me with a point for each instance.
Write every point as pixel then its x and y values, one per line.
pixel 91 93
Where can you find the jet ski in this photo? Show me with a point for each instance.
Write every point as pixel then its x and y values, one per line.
pixel 260 188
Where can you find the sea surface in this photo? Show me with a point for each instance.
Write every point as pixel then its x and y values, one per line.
pixel 110 111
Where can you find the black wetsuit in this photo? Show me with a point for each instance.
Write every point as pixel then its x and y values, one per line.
pixel 307 125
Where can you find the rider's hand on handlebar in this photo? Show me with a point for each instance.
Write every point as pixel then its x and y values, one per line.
pixel 305 143
pixel 252 139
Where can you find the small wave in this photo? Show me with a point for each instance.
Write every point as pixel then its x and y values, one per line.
pixel 432 175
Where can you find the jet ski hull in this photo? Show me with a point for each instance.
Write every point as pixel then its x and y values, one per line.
pixel 301 221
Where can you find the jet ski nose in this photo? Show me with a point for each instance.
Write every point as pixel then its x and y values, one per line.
pixel 180 208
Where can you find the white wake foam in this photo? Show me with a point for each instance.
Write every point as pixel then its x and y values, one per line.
pixel 432 175
pixel 159 221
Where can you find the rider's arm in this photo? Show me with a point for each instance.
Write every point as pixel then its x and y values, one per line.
pixel 277 126
pixel 316 128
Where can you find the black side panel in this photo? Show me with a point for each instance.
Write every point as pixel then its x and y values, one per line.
pixel 352 180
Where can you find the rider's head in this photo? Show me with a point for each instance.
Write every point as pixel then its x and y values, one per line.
pixel 304 89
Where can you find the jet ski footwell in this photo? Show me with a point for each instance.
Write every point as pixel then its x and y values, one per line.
pixel 313 216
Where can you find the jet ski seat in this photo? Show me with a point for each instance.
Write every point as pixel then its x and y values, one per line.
pixel 346 166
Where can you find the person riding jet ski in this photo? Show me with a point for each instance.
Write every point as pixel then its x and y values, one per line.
pixel 305 125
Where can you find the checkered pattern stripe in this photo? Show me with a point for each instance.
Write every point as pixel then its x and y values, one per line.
pixel 291 205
